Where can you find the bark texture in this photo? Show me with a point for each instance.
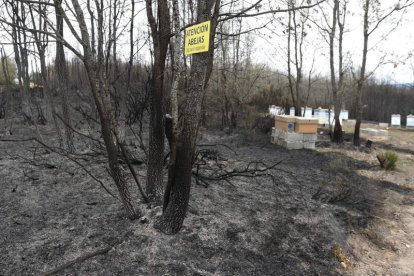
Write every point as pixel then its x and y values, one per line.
pixel 177 192
pixel 62 81
pixel 160 33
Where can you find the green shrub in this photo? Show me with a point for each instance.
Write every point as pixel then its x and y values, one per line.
pixel 392 158
pixel 388 160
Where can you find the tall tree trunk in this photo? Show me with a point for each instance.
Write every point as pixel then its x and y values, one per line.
pixel 179 176
pixel 172 131
pixel 131 46
pixel 155 185
pixel 177 192
pixel 63 80
pixel 289 66
pixel 298 66
pixel 361 79
pixel 160 36
pixel 337 135
pixel 177 65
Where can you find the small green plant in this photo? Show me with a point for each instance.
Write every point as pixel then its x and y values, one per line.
pixel 388 160
pixel 392 158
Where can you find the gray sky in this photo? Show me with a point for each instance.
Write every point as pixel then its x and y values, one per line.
pixel 393 49
pixel 269 50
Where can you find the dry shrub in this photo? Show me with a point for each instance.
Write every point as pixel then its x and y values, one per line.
pixel 338 164
pixel 341 256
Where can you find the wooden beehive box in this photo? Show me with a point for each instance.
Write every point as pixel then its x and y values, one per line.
pixel 285 122
pixel 306 125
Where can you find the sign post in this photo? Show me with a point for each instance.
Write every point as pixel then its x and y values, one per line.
pixel 197 38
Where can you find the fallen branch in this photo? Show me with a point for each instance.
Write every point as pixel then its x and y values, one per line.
pixel 32 162
pixel 78 260
pixel 250 171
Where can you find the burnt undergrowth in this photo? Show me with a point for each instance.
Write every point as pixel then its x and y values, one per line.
pixel 255 209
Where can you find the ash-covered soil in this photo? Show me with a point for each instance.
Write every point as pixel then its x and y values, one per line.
pixel 325 212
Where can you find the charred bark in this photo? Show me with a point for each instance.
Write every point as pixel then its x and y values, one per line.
pixel 177 192
pixel 160 36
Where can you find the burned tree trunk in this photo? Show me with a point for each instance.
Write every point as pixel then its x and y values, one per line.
pixel 361 80
pixel 63 80
pixel 160 33
pixel 100 93
pixel 177 193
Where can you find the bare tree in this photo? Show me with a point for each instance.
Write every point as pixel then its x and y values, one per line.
pixel 234 73
pixel 62 79
pixel 296 30
pixel 338 17
pixel 100 92
pixel 18 15
pixel 372 19
pixel 41 41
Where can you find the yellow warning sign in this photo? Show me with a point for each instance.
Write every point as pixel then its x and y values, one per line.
pixel 197 38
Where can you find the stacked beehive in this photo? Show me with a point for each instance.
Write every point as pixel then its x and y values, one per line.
pixel 395 120
pixel 410 121
pixel 294 132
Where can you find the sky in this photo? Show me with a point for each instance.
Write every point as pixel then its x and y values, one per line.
pixel 268 44
pixel 394 49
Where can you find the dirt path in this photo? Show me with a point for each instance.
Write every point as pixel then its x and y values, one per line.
pixel 403 143
pixel 385 246
pixel 405 264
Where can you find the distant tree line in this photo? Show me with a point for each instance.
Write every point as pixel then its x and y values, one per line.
pixel 382 99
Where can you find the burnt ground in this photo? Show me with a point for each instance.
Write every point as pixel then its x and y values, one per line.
pixel 331 211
